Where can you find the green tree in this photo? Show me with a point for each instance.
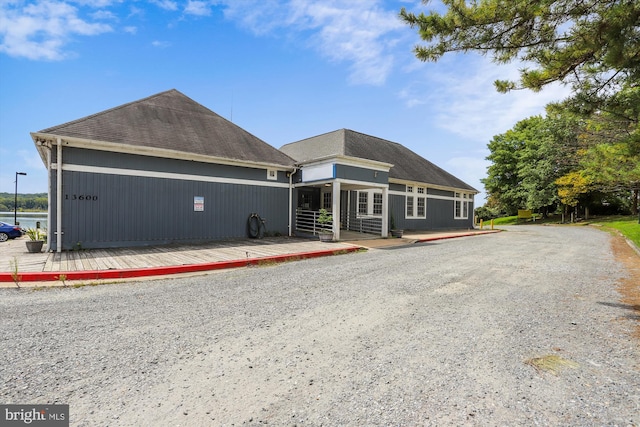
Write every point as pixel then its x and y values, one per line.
pixel 608 160
pixel 503 182
pixel 594 45
pixel 528 159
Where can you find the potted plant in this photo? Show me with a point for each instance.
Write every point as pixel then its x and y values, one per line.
pixel 323 219
pixel 395 232
pixel 36 239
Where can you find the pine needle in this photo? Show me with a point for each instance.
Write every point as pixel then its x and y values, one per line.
pixel 550 363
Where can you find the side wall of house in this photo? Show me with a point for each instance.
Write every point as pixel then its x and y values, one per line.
pixel 120 200
pixel 440 211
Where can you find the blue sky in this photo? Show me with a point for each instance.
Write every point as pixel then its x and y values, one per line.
pixel 282 70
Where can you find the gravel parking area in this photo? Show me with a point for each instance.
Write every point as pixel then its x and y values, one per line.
pixel 444 333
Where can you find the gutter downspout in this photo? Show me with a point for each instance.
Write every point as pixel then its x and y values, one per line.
pixel 59 196
pixel 290 225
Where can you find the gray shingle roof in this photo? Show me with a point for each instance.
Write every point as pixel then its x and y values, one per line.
pixel 407 165
pixel 170 120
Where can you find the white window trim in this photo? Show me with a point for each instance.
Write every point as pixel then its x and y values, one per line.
pixel 415 192
pixel 272 174
pixel 464 199
pixel 370 203
pixel 322 200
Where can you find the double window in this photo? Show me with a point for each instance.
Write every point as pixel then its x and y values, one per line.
pixel 369 203
pixel 416 202
pixel 461 203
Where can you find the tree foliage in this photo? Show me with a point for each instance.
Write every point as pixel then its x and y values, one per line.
pixel 527 160
pixel 26 202
pixel 588 146
pixel 561 159
pixel 592 44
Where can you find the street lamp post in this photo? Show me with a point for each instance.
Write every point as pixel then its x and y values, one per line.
pixel 15 201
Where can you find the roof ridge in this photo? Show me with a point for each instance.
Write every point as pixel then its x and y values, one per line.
pixel 376 137
pixel 313 137
pixel 100 113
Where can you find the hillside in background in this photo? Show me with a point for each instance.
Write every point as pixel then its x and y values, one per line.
pixel 26 202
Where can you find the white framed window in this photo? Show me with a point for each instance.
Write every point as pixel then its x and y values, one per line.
pixel 377 203
pixel 370 203
pixel 272 174
pixel 327 201
pixel 363 202
pixel 461 205
pixel 409 202
pixel 422 207
pixel 415 202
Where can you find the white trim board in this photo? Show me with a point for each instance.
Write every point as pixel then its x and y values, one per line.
pixel 168 175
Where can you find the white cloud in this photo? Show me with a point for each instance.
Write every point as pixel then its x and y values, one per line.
pixel 198 8
pixel 466 102
pixel 160 44
pixel 104 14
pixel 41 30
pixel 166 4
pixel 468 168
pixel 358 32
pixel 96 3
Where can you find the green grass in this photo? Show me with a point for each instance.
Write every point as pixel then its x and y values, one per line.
pixel 627 225
pixel 513 220
pixel 505 220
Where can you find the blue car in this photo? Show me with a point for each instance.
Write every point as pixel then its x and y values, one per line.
pixel 8 231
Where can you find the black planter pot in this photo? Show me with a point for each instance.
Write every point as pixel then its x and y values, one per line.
pixel 34 246
pixel 397 233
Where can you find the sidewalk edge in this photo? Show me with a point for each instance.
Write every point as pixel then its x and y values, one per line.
pixel 51 276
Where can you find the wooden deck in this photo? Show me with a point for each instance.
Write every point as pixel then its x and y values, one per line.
pixel 153 256
pixel 14 256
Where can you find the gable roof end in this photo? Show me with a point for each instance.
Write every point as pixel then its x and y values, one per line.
pixel 172 121
pixel 407 165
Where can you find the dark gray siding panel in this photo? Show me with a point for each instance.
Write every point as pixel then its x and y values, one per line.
pixel 396 212
pixel 397 187
pixel 440 215
pixel 101 210
pixel 158 164
pixel 361 174
pixel 437 192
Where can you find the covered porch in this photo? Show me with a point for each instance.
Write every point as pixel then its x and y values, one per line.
pixel 359 210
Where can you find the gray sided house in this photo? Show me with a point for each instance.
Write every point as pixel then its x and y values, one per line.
pixel 374 185
pixel 160 170
pixel 166 169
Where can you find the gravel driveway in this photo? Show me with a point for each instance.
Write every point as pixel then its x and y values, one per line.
pixel 445 333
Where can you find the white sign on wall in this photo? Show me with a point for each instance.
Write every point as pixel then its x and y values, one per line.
pixel 198 204
pixel 317 172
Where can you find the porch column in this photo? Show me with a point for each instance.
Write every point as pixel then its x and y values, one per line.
pixel 385 212
pixel 335 209
pixel 59 195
